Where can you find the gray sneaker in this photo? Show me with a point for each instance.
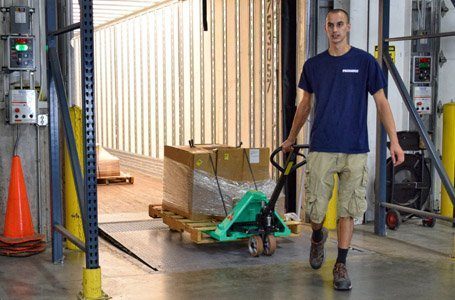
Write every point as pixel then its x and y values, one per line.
pixel 341 281
pixel 317 252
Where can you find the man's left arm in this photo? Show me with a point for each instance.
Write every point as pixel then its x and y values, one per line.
pixel 386 117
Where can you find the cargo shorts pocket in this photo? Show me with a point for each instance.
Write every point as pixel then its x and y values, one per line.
pixel 358 206
pixel 307 183
pixel 309 195
pixel 308 192
pixel 310 203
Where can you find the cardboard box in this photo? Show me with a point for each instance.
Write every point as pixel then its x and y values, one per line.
pixel 107 164
pixel 258 159
pixel 190 185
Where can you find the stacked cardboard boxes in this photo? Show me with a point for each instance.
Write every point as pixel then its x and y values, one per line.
pixel 198 179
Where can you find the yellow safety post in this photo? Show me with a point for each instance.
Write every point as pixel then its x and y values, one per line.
pixel 448 155
pixel 330 221
pixel 73 212
pixel 91 285
pixel 453 246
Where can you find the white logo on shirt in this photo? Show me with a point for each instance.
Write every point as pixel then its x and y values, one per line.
pixel 350 70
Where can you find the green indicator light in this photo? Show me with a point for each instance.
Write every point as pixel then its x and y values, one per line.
pixel 21 47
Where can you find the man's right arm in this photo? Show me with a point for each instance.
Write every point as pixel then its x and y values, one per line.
pixel 301 115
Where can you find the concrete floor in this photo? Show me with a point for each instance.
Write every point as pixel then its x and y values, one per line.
pixel 413 262
pixel 387 269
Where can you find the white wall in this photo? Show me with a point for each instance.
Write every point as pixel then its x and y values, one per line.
pixel 446 72
pixel 160 80
pixel 364 35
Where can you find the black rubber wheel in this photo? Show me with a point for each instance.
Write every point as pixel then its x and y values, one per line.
pixel 429 222
pixel 255 245
pixel 393 219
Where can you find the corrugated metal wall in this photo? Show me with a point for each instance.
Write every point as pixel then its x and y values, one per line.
pixel 162 80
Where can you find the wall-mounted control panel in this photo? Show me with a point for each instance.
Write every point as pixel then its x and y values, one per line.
pixel 22 108
pixel 422 99
pixel 21 53
pixel 421 69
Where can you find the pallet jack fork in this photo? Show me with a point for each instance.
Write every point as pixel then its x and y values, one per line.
pixel 254 216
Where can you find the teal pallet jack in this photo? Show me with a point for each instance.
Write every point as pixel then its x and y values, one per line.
pixel 254 216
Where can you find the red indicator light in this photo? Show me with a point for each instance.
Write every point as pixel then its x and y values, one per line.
pixel 21 41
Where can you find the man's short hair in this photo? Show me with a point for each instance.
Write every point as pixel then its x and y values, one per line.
pixel 337 10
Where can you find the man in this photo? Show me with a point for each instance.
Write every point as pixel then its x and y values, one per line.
pixel 340 79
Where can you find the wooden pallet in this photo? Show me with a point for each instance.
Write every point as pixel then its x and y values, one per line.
pixel 196 228
pixel 122 178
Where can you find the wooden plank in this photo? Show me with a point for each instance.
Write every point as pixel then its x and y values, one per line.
pixel 122 175
pixel 173 223
pixel 196 235
pixel 122 178
pixel 188 221
pixel 155 211
pixel 201 224
pixel 296 228
pixel 207 228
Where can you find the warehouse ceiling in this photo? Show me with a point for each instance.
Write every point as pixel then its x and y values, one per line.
pixel 108 10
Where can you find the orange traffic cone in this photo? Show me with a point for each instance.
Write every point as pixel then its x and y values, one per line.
pixel 18 229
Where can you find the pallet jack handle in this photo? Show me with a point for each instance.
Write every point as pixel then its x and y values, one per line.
pixel 288 169
pixel 290 160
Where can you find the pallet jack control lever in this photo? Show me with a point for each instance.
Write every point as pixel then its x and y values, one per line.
pixel 290 159
pixel 289 167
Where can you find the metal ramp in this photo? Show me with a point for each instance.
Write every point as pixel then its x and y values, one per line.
pixel 151 242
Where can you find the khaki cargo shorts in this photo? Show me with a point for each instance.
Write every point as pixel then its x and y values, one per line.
pixel 353 177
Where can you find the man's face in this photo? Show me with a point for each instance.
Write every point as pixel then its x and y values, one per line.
pixel 337 27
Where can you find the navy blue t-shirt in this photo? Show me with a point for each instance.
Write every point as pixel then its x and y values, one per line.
pixel 341 85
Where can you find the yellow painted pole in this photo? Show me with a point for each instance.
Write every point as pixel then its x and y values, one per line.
pixel 448 155
pixel 330 221
pixel 453 246
pixel 72 212
pixel 91 285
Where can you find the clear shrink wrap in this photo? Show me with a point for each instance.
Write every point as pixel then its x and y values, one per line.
pixel 198 180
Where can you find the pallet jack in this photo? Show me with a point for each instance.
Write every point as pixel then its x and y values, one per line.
pixel 254 216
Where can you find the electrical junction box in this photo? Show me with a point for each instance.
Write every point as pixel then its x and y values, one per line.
pixel 20 19
pixel 421 69
pixel 422 99
pixel 22 107
pixel 21 53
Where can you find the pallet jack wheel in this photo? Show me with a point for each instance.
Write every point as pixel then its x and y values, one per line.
pixel 393 219
pixel 429 222
pixel 269 245
pixel 255 245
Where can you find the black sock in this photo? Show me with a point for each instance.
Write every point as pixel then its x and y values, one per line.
pixel 317 235
pixel 342 253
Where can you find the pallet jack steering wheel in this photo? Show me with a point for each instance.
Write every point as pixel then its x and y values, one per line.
pixel 264 241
